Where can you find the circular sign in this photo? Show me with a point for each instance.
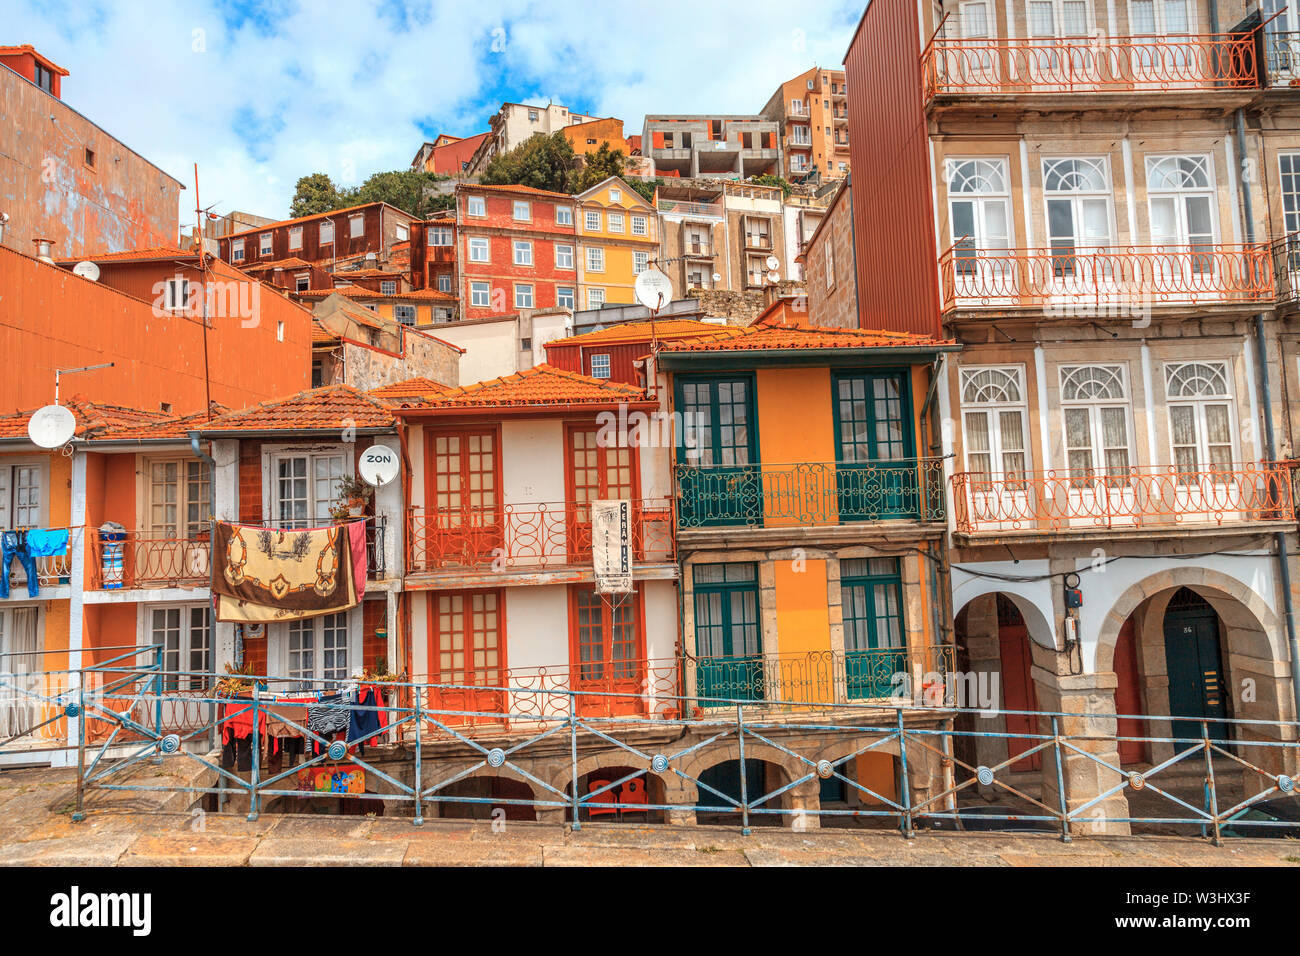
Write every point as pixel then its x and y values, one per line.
pixel 379 465
pixel 51 426
pixel 654 290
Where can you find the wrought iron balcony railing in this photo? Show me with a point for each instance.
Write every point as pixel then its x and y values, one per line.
pixel 1138 497
pixel 823 677
pixel 531 536
pixel 1286 271
pixel 1104 279
pixel 146 559
pixel 809 493
pixel 51 570
pixel 1153 64
pixel 1282 58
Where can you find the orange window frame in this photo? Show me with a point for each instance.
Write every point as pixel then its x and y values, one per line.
pixel 469 669
pixel 464 433
pixel 606 626
pixel 603 466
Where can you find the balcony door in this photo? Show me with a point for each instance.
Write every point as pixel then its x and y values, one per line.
pixel 1077 197
pixel 979 204
pixel 1202 438
pixel 175 545
pixel 607 659
pixel 728 642
pixel 996 441
pixel 874 651
pixel 21 640
pixel 464 523
pixel 876 475
pixel 1287 264
pixel 718 454
pixel 1058 40
pixel 1100 488
pixel 1181 199
pixel 1163 50
pixel 972 64
pixel 596 472
pixel 467 650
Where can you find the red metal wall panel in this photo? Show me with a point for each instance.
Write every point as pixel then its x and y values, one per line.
pixel 893 219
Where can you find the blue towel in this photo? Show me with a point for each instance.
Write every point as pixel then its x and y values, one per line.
pixel 47 542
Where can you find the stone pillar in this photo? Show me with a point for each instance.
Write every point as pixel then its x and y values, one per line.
pixel 985 655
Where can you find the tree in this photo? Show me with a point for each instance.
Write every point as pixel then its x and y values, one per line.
pixel 767 179
pixel 414 191
pixel 315 194
pixel 646 187
pixel 600 165
pixel 541 161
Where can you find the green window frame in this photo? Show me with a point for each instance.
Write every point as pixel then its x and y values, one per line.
pixel 877 474
pixel 728 631
pixel 718 473
pixel 875 643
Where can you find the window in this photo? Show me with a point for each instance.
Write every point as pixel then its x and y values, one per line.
pixel 979 205
pixel 45 79
pixel 993 421
pixel 318 651
pixel 180 499
pixel 402 233
pixel 236 250
pixel 564 297
pixel 468 640
pixel 326 233
pixel 388 287
pixel 830 266
pixel 532 116
pixel 405 314
pixel 640 262
pixel 758 232
pixel 20 495
pixel 478 249
pixel 21 640
pixel 1094 407
pixel 1180 195
pixel 522 211
pixel 871 594
pixel 264 245
pixel 480 294
pixel 523 296
pixel 728 642
pixel 302 282
pixel 600 366
pixel 476 206
pixel 640 226
pixel 444 283
pixel 563 256
pixel 523 253
pixel 440 236
pixel 615 220
pixel 564 215
pixel 356 226
pixel 606 642
pixel 592 220
pixel 1290 187
pixel 800 136
pixel 88 157
pixel 441 314
pixel 1077 195
pixel 525 345
pixel 616 195
pixel 305 488
pixel 176 294
pixel 599 471
pixel 295 238
pixel 1199 399
pixel 595 298
pixel 595 259
pixel 185 634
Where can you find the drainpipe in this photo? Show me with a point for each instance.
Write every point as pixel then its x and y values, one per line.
pixel 1261 355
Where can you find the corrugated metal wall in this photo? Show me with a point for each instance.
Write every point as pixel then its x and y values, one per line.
pixel 893 220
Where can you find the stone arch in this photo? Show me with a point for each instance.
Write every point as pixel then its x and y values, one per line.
pixel 469 781
pixel 1035 608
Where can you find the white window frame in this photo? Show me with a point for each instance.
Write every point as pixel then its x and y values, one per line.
pixel 295 238
pixel 180 657
pixel 600 365
pixel 320 460
pixel 400 311
pixel 520 289
pixel 444 283
pixel 564 257
pixel 476 207
pixel 280 656
pixel 591 220
pixel 525 247
pixel 595 259
pixel 640 225
pixel 521 206
pixel 236 250
pixel 265 243
pixel 1180 196
pixel 1095 408
pixel 595 298
pixel 640 261
pixel 440 236
pixel 614 222
pixel 564 215
pixel 1199 404
pixel 477 288
pixel 176 294
pixel 565 297
pixel 388 286
pixel 31 474
pixel 191 477
pixel 616 195
pixel 325 232
pixel 993 411
pixel 481 243
pixel 356 226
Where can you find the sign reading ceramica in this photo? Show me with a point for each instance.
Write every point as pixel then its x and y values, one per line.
pixel 611 545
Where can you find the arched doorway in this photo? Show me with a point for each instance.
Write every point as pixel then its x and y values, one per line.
pixel 1017 683
pixel 1128 698
pixel 490 788
pixel 761 778
pixel 1194 662
pixel 628 796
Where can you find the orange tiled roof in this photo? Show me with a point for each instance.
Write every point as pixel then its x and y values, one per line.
pixel 136 255
pixel 628 332
pixel 358 292
pixel 530 190
pixel 539 386
pixel 400 393
pixel 178 427
pixel 796 336
pixel 321 334
pixel 320 215
pixel 370 273
pixel 292 262
pixel 328 408
pixel 91 418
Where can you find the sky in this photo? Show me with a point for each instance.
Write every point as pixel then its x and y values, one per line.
pixel 259 94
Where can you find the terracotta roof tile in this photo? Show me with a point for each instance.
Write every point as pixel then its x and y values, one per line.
pixel 135 255
pixel 178 427
pixel 401 393
pixel 357 292
pixel 329 408
pixel 625 333
pixel 541 385
pixel 530 190
pixel 91 417
pixel 320 334
pixel 795 336
pixel 293 262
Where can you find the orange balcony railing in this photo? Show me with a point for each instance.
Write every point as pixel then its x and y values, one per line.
pixel 1104 279
pixel 146 559
pixel 532 536
pixel 1137 497
pixel 1087 64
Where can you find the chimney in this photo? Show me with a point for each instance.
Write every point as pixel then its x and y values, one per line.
pixel 45 250
pixel 4 221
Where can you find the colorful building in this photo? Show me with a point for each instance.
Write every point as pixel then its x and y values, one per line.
pixel 618 238
pixel 812 110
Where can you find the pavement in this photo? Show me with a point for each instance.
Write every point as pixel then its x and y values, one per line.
pixel 130 829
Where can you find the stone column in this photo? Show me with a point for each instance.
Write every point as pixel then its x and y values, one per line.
pixel 985 655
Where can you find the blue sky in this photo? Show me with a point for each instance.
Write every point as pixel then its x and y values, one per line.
pixel 262 93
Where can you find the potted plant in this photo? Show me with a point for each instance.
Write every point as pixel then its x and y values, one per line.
pixel 237 682
pixel 353 494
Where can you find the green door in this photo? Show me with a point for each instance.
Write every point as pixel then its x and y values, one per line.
pixel 872 593
pixel 728 645
pixel 1193 659
pixel 876 473
pixel 717 453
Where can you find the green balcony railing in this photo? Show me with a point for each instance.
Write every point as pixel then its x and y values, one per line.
pixel 812 493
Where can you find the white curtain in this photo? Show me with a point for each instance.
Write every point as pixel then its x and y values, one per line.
pixel 21 668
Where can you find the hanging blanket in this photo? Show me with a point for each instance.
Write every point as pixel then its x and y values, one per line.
pixel 267 574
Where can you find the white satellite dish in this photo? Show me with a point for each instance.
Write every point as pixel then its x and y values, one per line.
pixel 774 276
pixel 87 270
pixel 773 262
pixel 717 277
pixel 379 465
pixel 51 426
pixel 653 289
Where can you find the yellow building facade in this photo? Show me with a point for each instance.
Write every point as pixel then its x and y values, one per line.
pixel 618 239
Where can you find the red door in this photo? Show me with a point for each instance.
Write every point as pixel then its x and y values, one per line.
pixel 606 657
pixel 467 649
pixel 1017 684
pixel 1128 697
pixel 463 514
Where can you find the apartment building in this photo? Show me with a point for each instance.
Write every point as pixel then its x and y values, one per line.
pixel 829 265
pixel 354 237
pixel 448 155
pixel 1111 249
pixel 721 235
pixel 813 115
pixel 516 122
pixel 433 254
pixel 721 146
pixel 618 238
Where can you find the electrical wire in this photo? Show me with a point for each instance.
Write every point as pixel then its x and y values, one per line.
pixel 1098 565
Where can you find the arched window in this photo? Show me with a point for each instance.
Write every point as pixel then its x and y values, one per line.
pixel 1094 406
pixel 993 421
pixel 1200 415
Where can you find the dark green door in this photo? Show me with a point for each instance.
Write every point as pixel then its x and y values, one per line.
pixel 875 471
pixel 872 593
pixel 728 646
pixel 1193 659
pixel 717 454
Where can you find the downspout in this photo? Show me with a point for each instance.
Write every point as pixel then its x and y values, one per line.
pixel 1261 350
pixel 853 245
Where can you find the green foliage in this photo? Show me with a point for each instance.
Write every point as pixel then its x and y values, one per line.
pixel 600 165
pixel 315 194
pixel 767 179
pixel 410 190
pixel 541 161
pixel 646 187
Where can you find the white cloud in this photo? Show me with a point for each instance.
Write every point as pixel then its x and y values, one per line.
pixel 341 89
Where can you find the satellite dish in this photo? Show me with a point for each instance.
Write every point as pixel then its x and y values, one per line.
pixel 379 465
pixel 87 270
pixel 51 426
pixel 774 276
pixel 773 262
pixel 717 277
pixel 653 289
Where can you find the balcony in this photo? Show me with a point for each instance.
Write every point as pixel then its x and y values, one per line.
pixel 1140 497
pixel 1282 59
pixel 527 537
pixel 697 250
pixel 821 677
pixel 51 570
pixel 130 560
pixel 1103 279
pixel 1286 272
pixel 760 241
pixel 681 207
pixel 805 494
pixel 1087 65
